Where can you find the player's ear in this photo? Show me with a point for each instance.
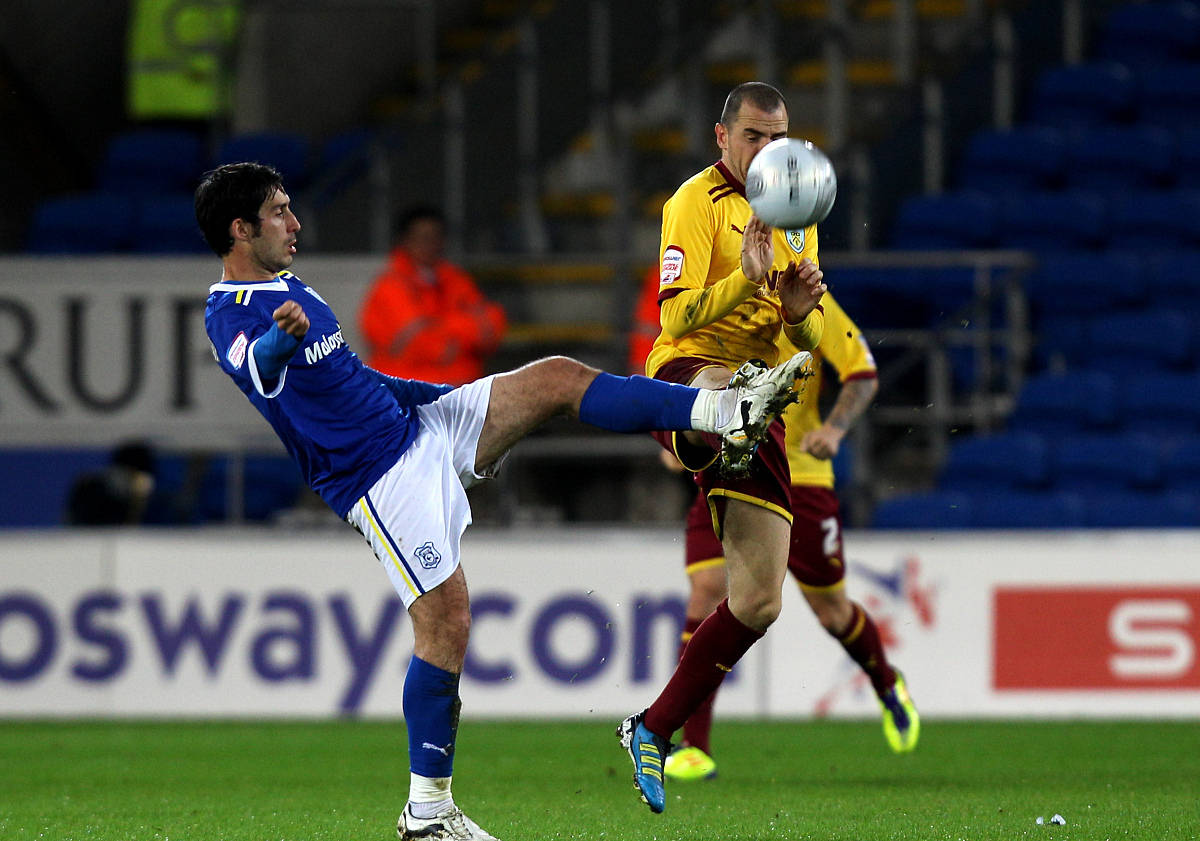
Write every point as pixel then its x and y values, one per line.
pixel 240 229
pixel 722 135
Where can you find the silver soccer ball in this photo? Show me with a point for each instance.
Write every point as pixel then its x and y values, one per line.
pixel 791 184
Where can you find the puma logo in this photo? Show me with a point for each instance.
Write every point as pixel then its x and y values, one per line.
pixel 736 229
pixel 443 751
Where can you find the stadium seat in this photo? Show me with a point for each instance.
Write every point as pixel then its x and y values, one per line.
pixel 929 510
pixel 1045 221
pixel 1172 276
pixel 1083 95
pixel 1117 158
pixel 1169 96
pixel 1007 460
pixel 287 152
pixel 1024 158
pixel 1181 465
pixel 965 219
pixel 167 225
pixel 149 161
pixel 1165 338
pixel 1153 220
pixel 1018 509
pixel 1188 146
pixel 1161 403
pixel 88 223
pixel 1129 509
pixel 1098 462
pixel 1080 283
pixel 1066 402
pixel 1149 34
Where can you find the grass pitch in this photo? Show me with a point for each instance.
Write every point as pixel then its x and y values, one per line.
pixel 835 781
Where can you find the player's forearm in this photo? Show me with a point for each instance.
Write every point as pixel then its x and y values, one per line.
pixel 692 309
pixel 273 350
pixel 806 335
pixel 852 400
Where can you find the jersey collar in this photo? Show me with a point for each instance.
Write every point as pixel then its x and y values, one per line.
pixel 276 285
pixel 731 179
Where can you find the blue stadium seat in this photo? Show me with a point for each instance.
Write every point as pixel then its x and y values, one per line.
pixel 1149 34
pixel 286 151
pixel 1045 221
pixel 1007 460
pixel 88 223
pixel 1097 462
pixel 1181 465
pixel 1170 96
pixel 1154 220
pixel 1017 509
pixel 1162 403
pixel 1083 95
pixel 1080 283
pixel 1023 158
pixel 1066 402
pixel 1116 158
pixel 965 219
pixel 147 161
pixel 930 510
pixel 1130 509
pixel 167 225
pixel 1172 277
pixel 1188 146
pixel 1165 338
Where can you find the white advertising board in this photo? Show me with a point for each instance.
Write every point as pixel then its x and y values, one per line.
pixel 583 622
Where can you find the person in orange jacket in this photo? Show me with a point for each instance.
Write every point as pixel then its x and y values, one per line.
pixel 423 317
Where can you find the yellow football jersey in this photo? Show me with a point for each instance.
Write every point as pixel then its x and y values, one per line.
pixel 845 348
pixel 701 246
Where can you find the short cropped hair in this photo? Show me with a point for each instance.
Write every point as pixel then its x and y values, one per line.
pixel 229 192
pixel 759 94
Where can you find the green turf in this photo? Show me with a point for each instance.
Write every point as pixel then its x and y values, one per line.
pixel 833 781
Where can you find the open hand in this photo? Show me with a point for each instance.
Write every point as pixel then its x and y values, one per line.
pixel 758 251
pixel 800 287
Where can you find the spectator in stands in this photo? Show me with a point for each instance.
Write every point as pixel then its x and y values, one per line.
pixel 424 318
pixel 116 495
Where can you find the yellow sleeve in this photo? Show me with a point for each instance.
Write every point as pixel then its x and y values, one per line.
pixel 688 231
pixel 692 309
pixel 807 334
pixel 846 347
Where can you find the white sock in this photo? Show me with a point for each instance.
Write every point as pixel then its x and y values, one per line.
pixel 428 796
pixel 713 409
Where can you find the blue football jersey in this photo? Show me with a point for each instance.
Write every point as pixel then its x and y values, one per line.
pixel 341 424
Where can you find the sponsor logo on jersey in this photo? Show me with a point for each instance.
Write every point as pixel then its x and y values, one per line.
pixel 427 555
pixel 795 239
pixel 237 350
pixel 672 265
pixel 317 351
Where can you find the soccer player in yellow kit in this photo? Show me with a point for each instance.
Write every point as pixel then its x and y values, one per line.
pixel 816 558
pixel 729 284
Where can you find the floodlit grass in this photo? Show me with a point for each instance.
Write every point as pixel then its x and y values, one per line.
pixel 835 781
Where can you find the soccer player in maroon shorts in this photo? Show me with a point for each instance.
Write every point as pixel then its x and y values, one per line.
pixel 729 286
pixel 816 557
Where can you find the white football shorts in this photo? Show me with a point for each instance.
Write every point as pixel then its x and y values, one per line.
pixel 415 515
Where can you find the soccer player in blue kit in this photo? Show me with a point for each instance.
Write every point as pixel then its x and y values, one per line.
pixel 393 456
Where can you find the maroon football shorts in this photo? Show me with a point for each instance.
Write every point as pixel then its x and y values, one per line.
pixel 769 480
pixel 815 556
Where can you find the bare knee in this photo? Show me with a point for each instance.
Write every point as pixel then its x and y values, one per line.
pixel 562 381
pixel 756 608
pixel 441 622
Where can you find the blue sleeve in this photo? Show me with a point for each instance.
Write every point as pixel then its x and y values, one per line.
pixel 409 392
pixel 273 350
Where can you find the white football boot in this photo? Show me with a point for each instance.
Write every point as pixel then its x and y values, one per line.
pixel 450 825
pixel 757 395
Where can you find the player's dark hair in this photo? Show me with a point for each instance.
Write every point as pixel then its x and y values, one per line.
pixel 229 192
pixel 759 94
pixel 418 213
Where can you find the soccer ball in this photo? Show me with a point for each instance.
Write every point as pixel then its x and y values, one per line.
pixel 791 184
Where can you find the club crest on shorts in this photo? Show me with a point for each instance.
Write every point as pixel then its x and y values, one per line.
pixel 795 238
pixel 427 555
